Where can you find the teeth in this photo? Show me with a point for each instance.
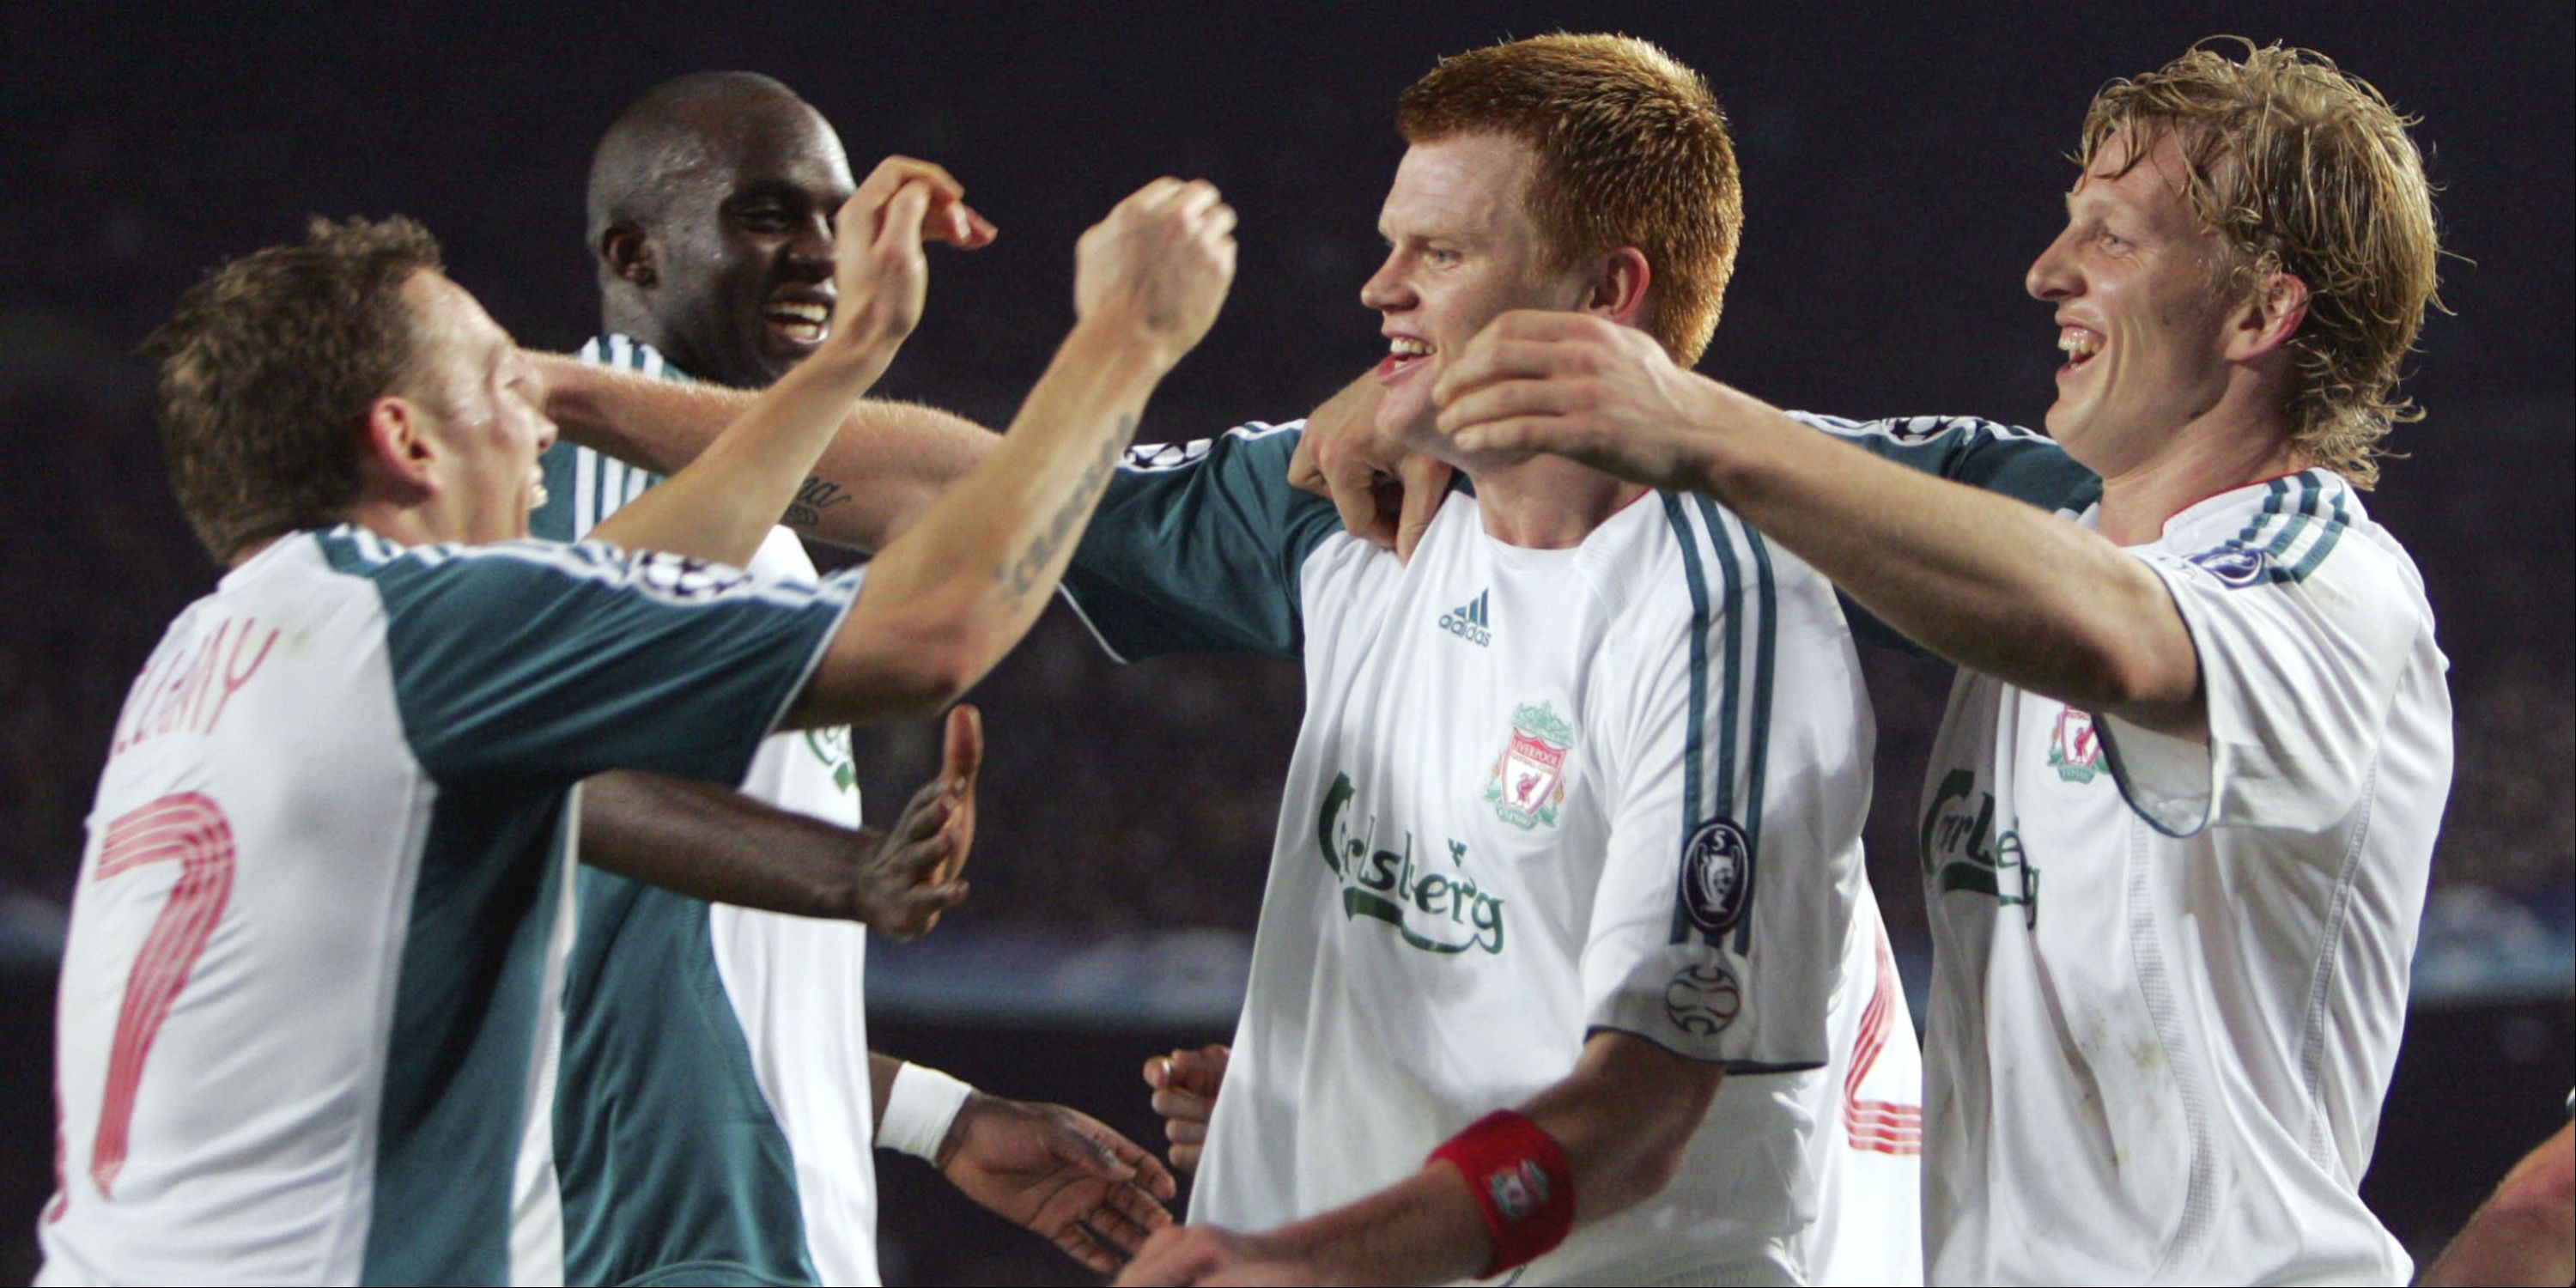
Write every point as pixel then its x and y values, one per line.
pixel 1405 346
pixel 537 497
pixel 2078 342
pixel 787 311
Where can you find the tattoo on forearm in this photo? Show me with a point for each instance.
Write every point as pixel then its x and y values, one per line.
pixel 818 494
pixel 1020 575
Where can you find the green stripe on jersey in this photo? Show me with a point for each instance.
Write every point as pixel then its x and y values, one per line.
pixel 1691 754
pixel 1759 751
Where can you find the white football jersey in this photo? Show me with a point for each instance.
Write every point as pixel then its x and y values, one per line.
pixel 321 899
pixel 2170 979
pixel 793 987
pixel 1538 794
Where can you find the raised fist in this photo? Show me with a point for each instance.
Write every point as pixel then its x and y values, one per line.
pixel 1160 264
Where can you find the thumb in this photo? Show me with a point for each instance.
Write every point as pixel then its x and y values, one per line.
pixel 1426 485
pixel 963 754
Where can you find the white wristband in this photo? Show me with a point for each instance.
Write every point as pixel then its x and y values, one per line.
pixel 920 1107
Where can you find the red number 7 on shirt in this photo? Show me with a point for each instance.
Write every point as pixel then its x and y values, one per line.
pixel 189 829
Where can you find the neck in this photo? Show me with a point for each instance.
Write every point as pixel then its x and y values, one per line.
pixel 626 316
pixel 2240 441
pixel 1547 502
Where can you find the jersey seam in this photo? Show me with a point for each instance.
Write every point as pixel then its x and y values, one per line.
pixel 2323 973
pixel 2156 990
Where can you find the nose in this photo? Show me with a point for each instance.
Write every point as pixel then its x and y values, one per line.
pixel 546 433
pixel 809 248
pixel 2053 276
pixel 1387 291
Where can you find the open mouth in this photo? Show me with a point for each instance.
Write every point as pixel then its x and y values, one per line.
pixel 1403 353
pixel 2079 345
pixel 798 322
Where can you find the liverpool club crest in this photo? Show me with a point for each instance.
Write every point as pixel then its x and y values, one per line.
pixel 1529 780
pixel 2075 749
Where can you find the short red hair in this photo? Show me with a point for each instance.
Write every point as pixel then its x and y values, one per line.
pixel 1632 151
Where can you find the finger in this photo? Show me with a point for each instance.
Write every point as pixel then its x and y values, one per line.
pixel 920 861
pixel 1111 1225
pixel 1426 485
pixel 962 755
pixel 1303 473
pixel 1195 198
pixel 1507 399
pixel 1151 1177
pixel 896 171
pixel 1153 195
pixel 923 816
pixel 1353 483
pixel 1523 435
pixel 1157 1069
pixel 1170 1257
pixel 957 224
pixel 1199 1071
pixel 1186 1157
pixel 1173 1103
pixel 1489 359
pixel 1079 1245
pixel 1185 1131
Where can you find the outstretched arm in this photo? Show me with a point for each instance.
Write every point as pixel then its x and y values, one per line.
pixel 1990 583
pixel 1622 1119
pixel 712 843
pixel 947 599
pixel 879 473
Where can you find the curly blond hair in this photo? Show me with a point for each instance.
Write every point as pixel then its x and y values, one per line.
pixel 1632 151
pixel 2301 168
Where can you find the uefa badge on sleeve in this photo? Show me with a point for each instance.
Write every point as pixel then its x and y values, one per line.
pixel 1717 876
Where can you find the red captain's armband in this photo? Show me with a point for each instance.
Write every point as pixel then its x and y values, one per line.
pixel 1521 1181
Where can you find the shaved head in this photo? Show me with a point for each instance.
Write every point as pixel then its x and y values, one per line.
pixel 676 130
pixel 709 214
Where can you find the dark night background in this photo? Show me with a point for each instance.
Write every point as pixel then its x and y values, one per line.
pixel 1900 171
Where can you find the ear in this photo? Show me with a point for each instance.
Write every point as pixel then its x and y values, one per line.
pixel 2268 318
pixel 628 253
pixel 1619 286
pixel 399 454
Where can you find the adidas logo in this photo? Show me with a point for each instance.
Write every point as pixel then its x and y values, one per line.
pixel 1468 621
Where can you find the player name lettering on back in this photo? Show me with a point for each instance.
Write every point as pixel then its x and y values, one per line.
pixel 188 683
pixel 1435 911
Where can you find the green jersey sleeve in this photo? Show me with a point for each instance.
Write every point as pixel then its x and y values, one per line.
pixel 533 661
pixel 2005 459
pixel 1197 548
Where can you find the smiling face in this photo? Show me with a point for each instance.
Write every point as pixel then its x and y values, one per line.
pixel 481 408
pixel 1461 250
pixel 742 287
pixel 2138 281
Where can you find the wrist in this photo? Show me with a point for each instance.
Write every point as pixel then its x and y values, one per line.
pixel 1123 338
pixel 1521 1182
pixel 922 1111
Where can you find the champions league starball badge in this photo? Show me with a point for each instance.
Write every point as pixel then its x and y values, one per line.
pixel 1717 876
pixel 1702 1000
